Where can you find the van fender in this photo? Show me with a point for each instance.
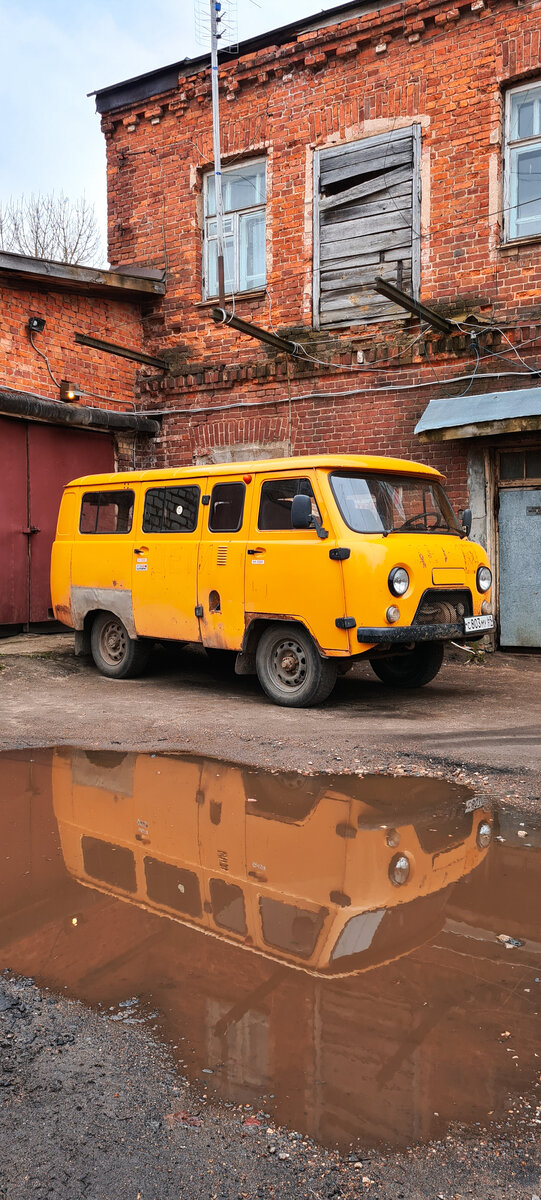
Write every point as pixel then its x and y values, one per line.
pixel 255 624
pixel 85 600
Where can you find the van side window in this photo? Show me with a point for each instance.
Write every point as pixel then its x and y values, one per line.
pixel 106 512
pixel 172 886
pixel 290 928
pixel 171 510
pixel 226 507
pixel 228 905
pixel 276 498
pixel 108 863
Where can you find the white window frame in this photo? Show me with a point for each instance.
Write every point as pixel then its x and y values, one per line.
pixel 509 196
pixel 233 221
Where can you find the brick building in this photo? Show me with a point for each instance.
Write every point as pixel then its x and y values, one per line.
pixel 58 326
pixel 401 141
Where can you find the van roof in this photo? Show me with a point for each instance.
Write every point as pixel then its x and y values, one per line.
pixel 355 462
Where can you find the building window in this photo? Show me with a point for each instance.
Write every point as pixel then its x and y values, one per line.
pixel 366 223
pixel 522 193
pixel 244 196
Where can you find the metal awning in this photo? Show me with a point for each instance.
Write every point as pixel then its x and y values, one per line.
pixel 480 416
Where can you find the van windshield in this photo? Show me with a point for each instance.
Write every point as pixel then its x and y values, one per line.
pixel 393 504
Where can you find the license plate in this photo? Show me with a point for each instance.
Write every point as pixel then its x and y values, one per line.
pixel 473 624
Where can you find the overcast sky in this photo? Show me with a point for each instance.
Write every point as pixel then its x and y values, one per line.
pixel 52 52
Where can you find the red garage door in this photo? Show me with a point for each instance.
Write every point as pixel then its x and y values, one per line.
pixel 36 461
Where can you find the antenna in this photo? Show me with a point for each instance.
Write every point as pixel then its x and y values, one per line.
pixel 215 25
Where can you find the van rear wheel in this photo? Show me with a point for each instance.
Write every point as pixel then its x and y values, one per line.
pixel 290 669
pixel 115 653
pixel 410 670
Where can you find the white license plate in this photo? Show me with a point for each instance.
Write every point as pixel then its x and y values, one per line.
pixel 473 624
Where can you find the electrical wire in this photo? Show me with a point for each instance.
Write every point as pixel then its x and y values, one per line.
pixel 403 387
pixel 42 355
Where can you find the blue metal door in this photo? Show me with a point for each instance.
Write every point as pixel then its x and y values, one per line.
pixel 520 566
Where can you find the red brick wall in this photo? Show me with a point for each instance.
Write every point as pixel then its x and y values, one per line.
pixel 443 67
pixel 21 368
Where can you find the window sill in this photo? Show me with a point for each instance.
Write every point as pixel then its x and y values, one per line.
pixel 533 239
pixel 259 294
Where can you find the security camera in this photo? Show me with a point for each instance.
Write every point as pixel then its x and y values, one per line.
pixel 36 324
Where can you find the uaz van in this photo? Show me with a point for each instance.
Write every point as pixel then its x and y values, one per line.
pixel 298 566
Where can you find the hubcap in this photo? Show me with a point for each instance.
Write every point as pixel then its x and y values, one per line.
pixel 113 642
pixel 288 663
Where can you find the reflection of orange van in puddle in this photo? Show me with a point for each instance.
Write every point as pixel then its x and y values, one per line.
pixel 321 873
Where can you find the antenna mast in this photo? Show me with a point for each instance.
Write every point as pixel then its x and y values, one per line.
pixel 215 9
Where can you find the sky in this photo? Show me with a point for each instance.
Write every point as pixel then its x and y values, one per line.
pixel 53 52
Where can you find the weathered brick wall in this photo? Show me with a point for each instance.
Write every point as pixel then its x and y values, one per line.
pixel 65 313
pixel 445 68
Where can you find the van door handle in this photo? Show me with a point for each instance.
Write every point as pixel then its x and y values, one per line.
pixel 258 550
pixel 141 550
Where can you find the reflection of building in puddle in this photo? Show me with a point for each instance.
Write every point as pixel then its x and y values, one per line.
pixel 329 875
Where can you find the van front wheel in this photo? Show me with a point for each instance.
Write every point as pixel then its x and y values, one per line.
pixel 410 670
pixel 289 668
pixel 115 653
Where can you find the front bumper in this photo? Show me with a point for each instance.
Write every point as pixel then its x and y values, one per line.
pixel 402 634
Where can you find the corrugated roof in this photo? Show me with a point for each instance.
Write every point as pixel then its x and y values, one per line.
pixel 473 416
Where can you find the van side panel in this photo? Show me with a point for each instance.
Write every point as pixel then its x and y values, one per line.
pixel 61 558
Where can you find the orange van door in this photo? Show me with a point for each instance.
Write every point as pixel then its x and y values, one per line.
pixel 165 551
pixel 288 571
pixel 220 589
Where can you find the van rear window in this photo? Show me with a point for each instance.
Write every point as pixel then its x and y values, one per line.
pixel 171 510
pixel 106 512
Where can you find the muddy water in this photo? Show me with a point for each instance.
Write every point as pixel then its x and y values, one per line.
pixel 349 955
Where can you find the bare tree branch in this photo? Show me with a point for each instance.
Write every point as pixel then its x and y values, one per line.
pixel 46 225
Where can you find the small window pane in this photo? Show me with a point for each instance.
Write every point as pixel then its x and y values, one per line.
pixel 290 928
pixel 228 906
pixel 171 510
pixel 173 887
pixel 229 266
pixel 512 465
pixel 106 512
pixel 252 251
pixel 110 864
pixel 226 507
pixel 525 114
pixel 276 500
pixel 525 165
pixel 533 464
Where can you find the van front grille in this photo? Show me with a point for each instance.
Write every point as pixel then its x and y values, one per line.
pixel 444 608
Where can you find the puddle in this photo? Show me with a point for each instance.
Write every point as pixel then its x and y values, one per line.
pixel 347 954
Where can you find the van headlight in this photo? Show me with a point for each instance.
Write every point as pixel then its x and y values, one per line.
pixel 399 869
pixel 483 579
pixel 399 581
pixel 484 834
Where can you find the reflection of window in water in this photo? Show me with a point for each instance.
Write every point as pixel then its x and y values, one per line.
pixel 228 905
pixel 173 887
pixel 109 864
pixel 288 927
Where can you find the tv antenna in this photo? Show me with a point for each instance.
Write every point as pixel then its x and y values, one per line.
pixel 212 24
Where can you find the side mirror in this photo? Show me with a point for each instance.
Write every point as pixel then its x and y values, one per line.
pixel 466 518
pixel 302 518
pixel 301 512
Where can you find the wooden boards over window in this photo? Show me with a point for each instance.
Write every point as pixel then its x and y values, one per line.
pixel 366 223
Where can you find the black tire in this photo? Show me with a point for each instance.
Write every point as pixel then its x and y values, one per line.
pixel 290 669
pixel 115 653
pixel 410 670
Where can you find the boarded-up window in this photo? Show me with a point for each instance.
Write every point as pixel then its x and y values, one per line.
pixel 366 223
